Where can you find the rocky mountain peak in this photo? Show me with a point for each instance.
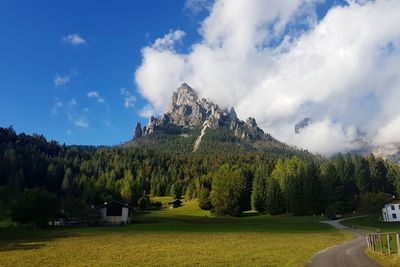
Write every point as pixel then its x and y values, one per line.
pixel 187 109
pixel 232 114
pixel 251 122
pixel 137 132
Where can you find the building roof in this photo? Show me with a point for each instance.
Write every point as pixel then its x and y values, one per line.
pixel 112 203
pixel 393 201
pixel 175 201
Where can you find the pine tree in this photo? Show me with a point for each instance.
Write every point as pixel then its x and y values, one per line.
pixel 259 195
pixel 127 186
pixel 275 200
pixel 66 183
pixel 228 187
pixel 204 199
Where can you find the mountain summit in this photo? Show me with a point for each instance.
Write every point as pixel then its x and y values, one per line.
pixel 186 109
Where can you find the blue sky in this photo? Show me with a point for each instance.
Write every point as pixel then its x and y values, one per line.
pixel 33 53
pixel 67 68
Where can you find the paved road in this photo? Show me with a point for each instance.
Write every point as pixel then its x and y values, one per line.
pixel 349 254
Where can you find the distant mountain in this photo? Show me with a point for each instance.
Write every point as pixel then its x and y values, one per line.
pixel 193 123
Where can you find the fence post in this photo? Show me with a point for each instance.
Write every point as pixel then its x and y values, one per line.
pixel 367 238
pixel 398 243
pixel 388 243
pixel 373 242
pixel 370 241
pixel 380 241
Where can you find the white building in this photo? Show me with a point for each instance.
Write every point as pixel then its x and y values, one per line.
pixel 115 212
pixel 391 211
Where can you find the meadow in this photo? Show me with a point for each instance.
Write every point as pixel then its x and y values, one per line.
pixel 185 236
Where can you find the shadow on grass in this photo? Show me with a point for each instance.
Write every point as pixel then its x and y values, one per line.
pixel 257 223
pixel 18 238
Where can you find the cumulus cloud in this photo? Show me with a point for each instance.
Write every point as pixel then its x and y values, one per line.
pixel 73 39
pixel 276 61
pixel 96 96
pixel 327 138
pixel 129 99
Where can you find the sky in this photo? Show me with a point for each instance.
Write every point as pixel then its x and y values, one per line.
pixel 84 72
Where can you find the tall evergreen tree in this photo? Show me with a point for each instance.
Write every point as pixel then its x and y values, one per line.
pixel 228 186
pixel 259 195
pixel 275 200
pixel 312 188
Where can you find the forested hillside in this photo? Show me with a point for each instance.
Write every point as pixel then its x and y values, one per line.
pixel 226 175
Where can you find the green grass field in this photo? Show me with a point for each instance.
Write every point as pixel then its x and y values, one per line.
pixel 372 221
pixel 186 236
pixel 385 227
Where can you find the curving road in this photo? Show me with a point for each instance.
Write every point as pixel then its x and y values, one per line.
pixel 349 254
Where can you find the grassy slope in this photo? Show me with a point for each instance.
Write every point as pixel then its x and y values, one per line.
pixel 369 221
pixel 184 236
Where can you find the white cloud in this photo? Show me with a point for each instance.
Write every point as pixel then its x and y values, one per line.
pixel 76 115
pixel 95 95
pixel 327 138
pixel 168 41
pixel 81 123
pixel 389 133
pixel 147 111
pixel 196 6
pixel 129 101
pixel 342 70
pixel 73 39
pixel 61 80
pixel 56 106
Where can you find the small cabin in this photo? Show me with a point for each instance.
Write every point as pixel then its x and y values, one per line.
pixel 115 212
pixel 60 219
pixel 174 203
pixel 391 211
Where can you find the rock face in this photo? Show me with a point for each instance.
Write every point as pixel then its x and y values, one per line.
pixel 304 123
pixel 137 132
pixel 186 109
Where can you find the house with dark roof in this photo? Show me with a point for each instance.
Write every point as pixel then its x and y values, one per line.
pixel 115 212
pixel 174 203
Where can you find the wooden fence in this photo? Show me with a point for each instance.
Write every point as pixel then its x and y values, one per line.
pixel 366 229
pixel 384 242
